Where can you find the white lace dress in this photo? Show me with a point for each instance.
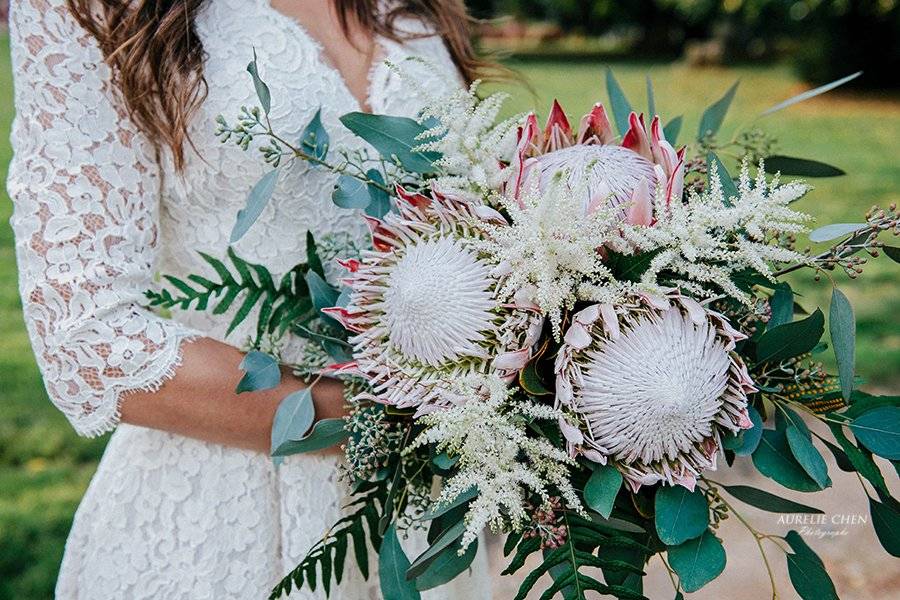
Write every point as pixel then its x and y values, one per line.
pixel 96 215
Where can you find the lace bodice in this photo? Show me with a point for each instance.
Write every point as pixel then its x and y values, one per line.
pixel 97 212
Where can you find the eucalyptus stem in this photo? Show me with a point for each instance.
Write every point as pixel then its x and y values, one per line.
pixel 758 536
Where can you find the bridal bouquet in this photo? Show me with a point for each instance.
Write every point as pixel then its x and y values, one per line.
pixel 560 333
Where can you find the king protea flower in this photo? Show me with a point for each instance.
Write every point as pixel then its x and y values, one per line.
pixel 652 383
pixel 626 174
pixel 424 308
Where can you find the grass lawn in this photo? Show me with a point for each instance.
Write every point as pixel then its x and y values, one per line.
pixel 44 467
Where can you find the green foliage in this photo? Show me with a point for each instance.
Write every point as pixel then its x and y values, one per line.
pixel 766 501
pixel 257 200
pixel 680 514
pixel 281 306
pixel 886 521
pixel 393 137
pixel 262 90
pixel 315 140
pixel 349 192
pixel 782 305
pixel 602 488
pixel 261 372
pixel 842 326
pixel 697 561
pixel 746 442
pixel 714 115
pixel 621 108
pixel 800 167
pixel 292 420
pixel 807 573
pixel 774 459
pixel 791 339
pixel 328 555
pixel 448 564
pixel 586 547
pixel 325 433
pixel 392 566
pixel 879 431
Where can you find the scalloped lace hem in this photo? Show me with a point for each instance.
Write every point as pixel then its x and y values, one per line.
pixel 103 421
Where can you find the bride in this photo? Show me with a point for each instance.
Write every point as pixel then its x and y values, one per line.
pixel 117 174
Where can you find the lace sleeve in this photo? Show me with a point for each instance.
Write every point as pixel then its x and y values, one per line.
pixel 85 188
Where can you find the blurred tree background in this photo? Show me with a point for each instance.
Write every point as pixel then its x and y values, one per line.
pixel 776 47
pixel 823 39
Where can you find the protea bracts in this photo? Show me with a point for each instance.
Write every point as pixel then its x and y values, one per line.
pixel 650 385
pixel 423 306
pixel 627 174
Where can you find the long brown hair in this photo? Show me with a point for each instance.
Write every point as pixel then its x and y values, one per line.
pixel 157 57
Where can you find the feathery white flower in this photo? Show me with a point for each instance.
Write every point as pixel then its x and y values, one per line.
pixel 486 430
pixel 652 383
pixel 708 238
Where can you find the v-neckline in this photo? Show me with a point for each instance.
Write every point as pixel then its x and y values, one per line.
pixel 379 55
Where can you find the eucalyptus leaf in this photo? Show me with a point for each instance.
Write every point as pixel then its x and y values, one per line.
pixel 861 460
pixel 767 501
pixel 322 293
pixel 392 567
pixel 262 90
pixel 651 98
pixel 444 540
pixel 448 564
pixel 602 488
pixel 801 167
pixel 745 442
pixel 681 514
pixel 774 459
pixel 713 116
pixel 807 456
pixel 621 108
pixel 672 129
pixel 827 233
pixel 782 305
pixel 806 571
pixel 257 200
pixel 261 372
pixel 380 201
pixel 697 561
pixel 892 252
pixel 393 136
pixel 324 434
pixel 842 326
pixel 443 508
pixel 292 420
pixel 879 431
pixel 886 522
pixel 729 190
pixel 315 138
pixel 350 192
pixel 811 93
pixel 791 339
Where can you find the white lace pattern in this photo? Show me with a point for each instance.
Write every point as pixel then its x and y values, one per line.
pixel 97 214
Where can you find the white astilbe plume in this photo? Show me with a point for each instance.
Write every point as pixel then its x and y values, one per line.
pixel 706 240
pixel 551 252
pixel 473 145
pixel 487 430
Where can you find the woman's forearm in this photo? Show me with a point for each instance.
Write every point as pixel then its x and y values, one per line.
pixel 200 400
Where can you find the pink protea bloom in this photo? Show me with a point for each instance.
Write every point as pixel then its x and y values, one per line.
pixel 651 385
pixel 423 307
pixel 626 174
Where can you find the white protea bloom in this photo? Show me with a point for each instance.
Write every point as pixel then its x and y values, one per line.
pixel 643 170
pixel 424 308
pixel 652 384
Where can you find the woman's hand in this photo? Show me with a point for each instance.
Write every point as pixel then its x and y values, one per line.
pixel 200 401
